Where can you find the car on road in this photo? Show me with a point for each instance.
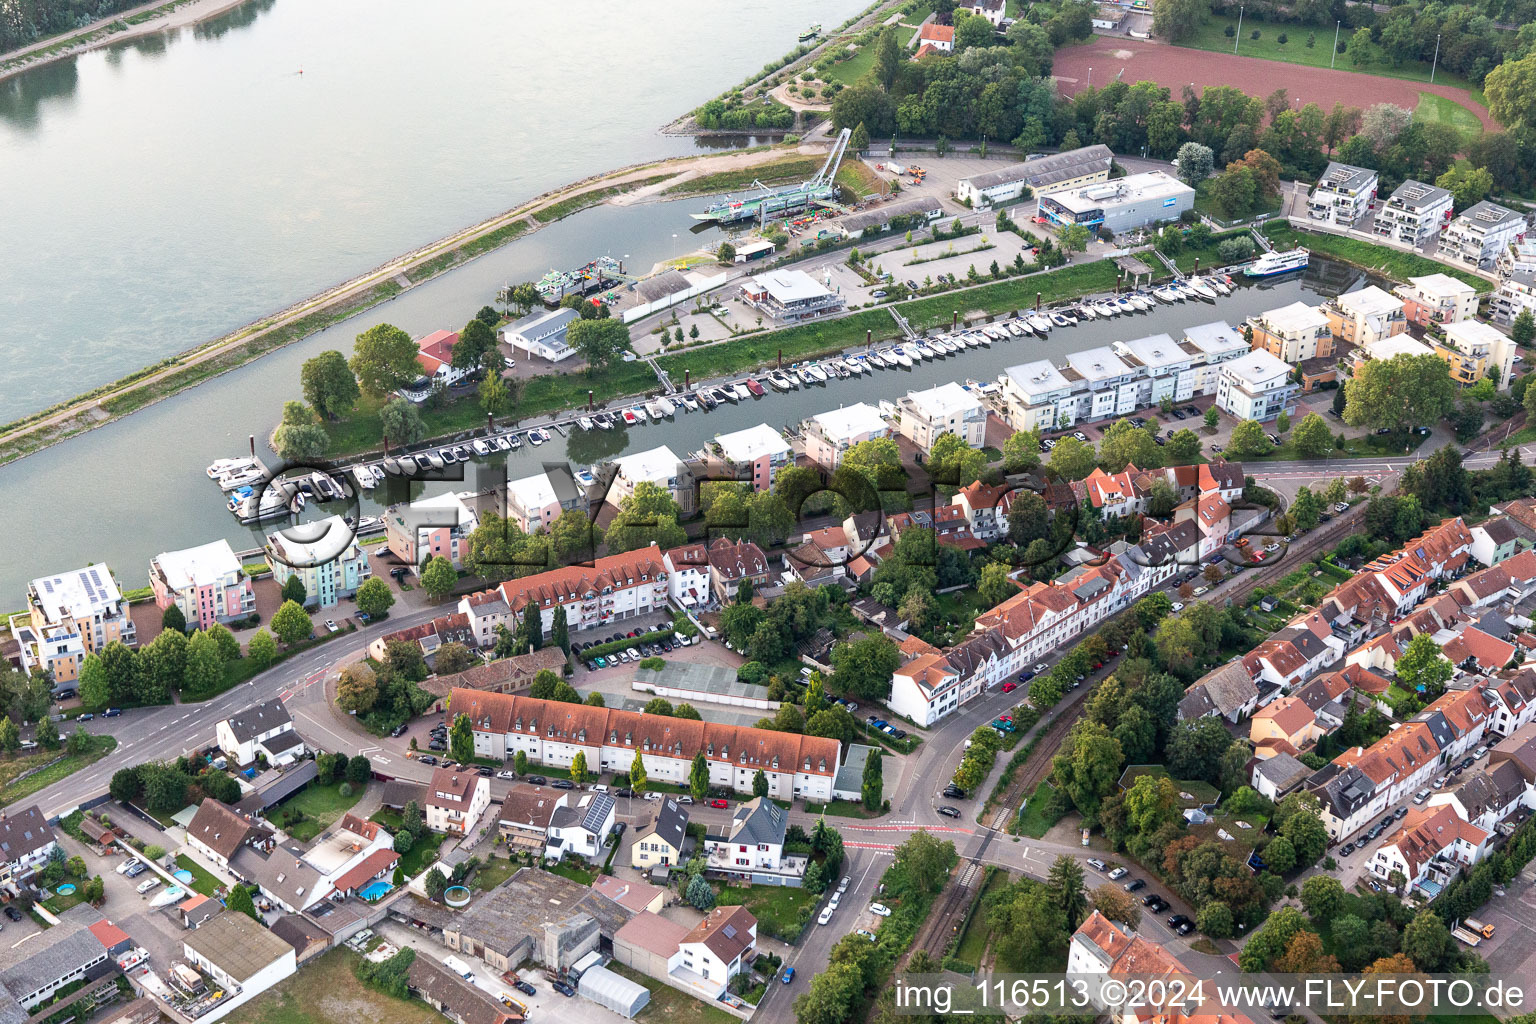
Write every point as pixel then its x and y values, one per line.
pixel 331 627
pixel 1010 686
pixel 525 988
pixel 1153 902
pixel 1042 667
pixel 1178 919
pixel 720 803
pixel 1026 676
pixel 1421 796
pixel 1117 873
pixel 1096 864
pixel 653 796
pixel 86 717
pixel 1346 849
pixel 1185 928
pixel 948 811
pixel 880 909
pixel 1200 590
pixel 1135 885
pixel 537 780
pixel 111 712
pixel 684 799
pixel 1342 506
pixel 789 972
pixel 563 784
pixel 506 775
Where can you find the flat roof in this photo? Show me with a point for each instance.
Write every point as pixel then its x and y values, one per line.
pixel 1475 332
pixel 201 566
pixel 789 285
pixel 533 491
pixel 1215 337
pixel 1400 345
pixel 314 544
pixel 1441 284
pixel 1256 367
pixel 79 593
pixel 239 946
pixel 1369 301
pixel 945 400
pixel 1098 363
pixel 1154 351
pixel 657 465
pixel 1133 188
pixel 850 420
pixel 1345 176
pixel 1037 377
pixel 1416 195
pixel 1298 316
pixel 752 443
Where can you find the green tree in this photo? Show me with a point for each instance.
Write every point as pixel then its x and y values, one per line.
pixel 520 762
pixel 384 358
pixel 760 784
pixel 123 670
pixel 1511 92
pixel 1427 942
pixel 1196 162
pixel 1212 417
pixel 1072 459
pixel 648 515
pixel 559 632
pixel 1312 437
pixel 1074 237
pixel 374 597
pixel 1248 440
pixel 359 770
pixel 699 894
pixel 637 776
pixel 1523 328
pixel 164 663
pixel 1322 896
pixel 296 442
pixel 1065 883
pixel 1179 20
pixel 1422 665
pixel 291 623
pixel 293 590
pixel 329 385
pixel 995 587
pixel 1021 452
pixel 262 649
pixel 1215 920
pixel 1271 939
pixel 1306 509
pixel 439 578
pixel 172 618
pixel 461 739
pixel 239 900
pixel 357 689
pixel 579 768
pixel 400 422
pixel 872 788
pixel 47 734
pixel 598 342
pixel 495 398
pixel 1183 449
pixel 698 776
pixel 864 667
pixel 204 672
pixel 1400 392
pixel 476 346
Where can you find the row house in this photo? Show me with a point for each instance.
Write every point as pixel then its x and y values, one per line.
pixel 1212 517
pixel 925 689
pixel 1414 213
pixel 1481 234
pixel 1342 195
pixel 1488 796
pixel 1366 315
pixel 1473 650
pixel 1362 782
pixel 1115 494
pixel 553 733
pixel 1437 299
pixel 949 524
pixel 1229 691
pixel 436 527
pixel 207 584
pixel 1494 540
pixel 925 416
pixel 1511 702
pixel 1430 848
pixel 69 616
pixel 1457 720
pixel 324 555
pixel 1512 580
pixel 986 508
pixel 1387 587
pixel 611 589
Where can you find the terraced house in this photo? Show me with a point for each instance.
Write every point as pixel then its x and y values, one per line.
pixel 611 589
pixel 553 733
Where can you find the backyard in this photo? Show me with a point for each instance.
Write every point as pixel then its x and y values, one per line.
pixel 421 853
pixel 202 881
pixel 782 911
pixel 327 992
pixel 314 808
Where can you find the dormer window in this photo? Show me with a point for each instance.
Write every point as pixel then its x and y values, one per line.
pixel 807 764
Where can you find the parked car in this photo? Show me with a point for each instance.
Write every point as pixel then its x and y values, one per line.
pixel 866 933
pixel 599 788
pixel 12 913
pixel 111 713
pixel 1117 873
pixel 483 771
pixel 537 780
pixel 720 803
pixel 525 988
pixel 397 731
pixel 1177 919
pixel 428 760
pixel 1010 686
pixel 136 869
pixel 1135 885
pixel 825 916
pixel 949 812
pixel 954 792
pixel 331 627
pixel 147 884
pixel 789 972
pixel 506 775
pixel 1421 796
pixel 880 909
pixel 563 784
pixel 1096 864
pixel 684 799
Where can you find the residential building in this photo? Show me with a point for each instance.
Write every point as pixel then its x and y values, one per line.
pixel 1519 258
pixel 435 357
pixel 542 333
pixel 26 842
pixel 1171 370
pixel 1389 348
pixel 660 844
pixel 1096 945
pixel 1476 350
pixel 635 897
pixel 69 616
pixel 1058 172
pixel 1437 299
pixel 1481 234
pixel 240 957
pixel 1256 387
pixel 935 38
pixel 218 832
pixel 260 731
pixel 791 296
pixel 1342 195
pixel 829 434
pixel 1366 315
pixel 1123 204
pixel 1279 776
pixel 552 733
pixel 1217 342
pixel 456 799
pixel 948 523
pixel 324 555
pixel 454 628
pixel 1285 726
pixel 721 946
pixel 752 848
pixel 908 211
pixel 1228 691
pixel 986 508
pixel 1496 539
pixel 526 812
pixel 1432 844
pixel 1488 796
pixel 435 527
pixel 688 581
pixel 992 10
pixel 659 466
pixel 610 589
pixel 33 971
pixel 1414 213
pixel 535 502
pixel 733 564
pixel 535 915
pixel 582 830
pixel 1293 333
pixel 206 583
pixel 1514 295
pixel 924 416
pixel 925 689
pixel 1361 783
pixel 757 452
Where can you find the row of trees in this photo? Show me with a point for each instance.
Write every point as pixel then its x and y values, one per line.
pixel 119 675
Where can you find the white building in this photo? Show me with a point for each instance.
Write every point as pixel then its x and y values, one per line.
pixel 1057 172
pixel 435 358
pixel 761 449
pixel 1437 299
pixel 1256 387
pixel 1172 370
pixel 542 334
pixel 582 830
pixel 992 10
pixel 609 589
pixel 1120 205
pixel 752 849
pixel 1113 387
pixel 1432 844
pixel 947 409
pixel 1515 295
pixel 925 689
pixel 206 583
pixel 659 466
pixel 1481 234
pixel 264 730
pixel 829 434
pixel 535 502
pixel 26 842
pixel 1343 195
pixel 433 527
pixel 790 295
pixel 1217 342
pixel 239 957
pixel 1414 213
pixel 456 799
pixel 719 948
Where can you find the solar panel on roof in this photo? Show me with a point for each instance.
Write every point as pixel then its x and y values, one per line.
pixel 730 931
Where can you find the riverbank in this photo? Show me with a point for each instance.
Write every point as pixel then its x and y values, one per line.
pixel 110 402
pixel 130 24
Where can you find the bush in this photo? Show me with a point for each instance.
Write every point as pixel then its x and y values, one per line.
pixel 154 851
pixel 346 789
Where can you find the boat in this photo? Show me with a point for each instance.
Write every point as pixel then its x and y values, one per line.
pixel 500 443
pixel 272 503
pixel 224 467
pixel 780 382
pixel 391 467
pixel 754 387
pixel 630 419
pixel 1087 311
pixel 640 413
pixel 858 364
pixel 740 391
pixel 368 524
pixel 1221 284
pixel 434 460
pixel 1014 329
pixel 1143 300
pixel 480 446
pixel 1059 319
pixel 667 408
pixel 706 399
pixel 538 436
pixel 653 410
pixel 598 275
pixel 689 402
pixel 168 897
pixel 906 356
pixel 1201 289
pixel 817 373
pixel 1040 323
pixel 875 359
pixel 367 477
pixel 585 477
pixel 1124 304
pixel 241 477
pixel 516 440
pixel 809 34
pixel 953 346
pixel 584 422
pixel 765 204
pixel 1167 295
pixel 1272 263
pixel 922 350
pixel 804 375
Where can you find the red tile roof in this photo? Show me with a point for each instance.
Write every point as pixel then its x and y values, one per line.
pixel 1490 653
pixel 108 934
pixel 574 582
pixel 369 868
pixel 937 33
pixel 436 350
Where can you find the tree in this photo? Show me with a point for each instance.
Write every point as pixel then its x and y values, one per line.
pixel 291 623
pixel 357 688
pixel 359 770
pixel 461 739
pixel 1215 920
pixel 1196 162
pixel 1116 904
pixel 495 398
pixel 374 597
pixel 79 742
pixel 164 663
pixel 1271 940
pixel 1065 883
pixel 1511 92
pixel 384 358
pixel 400 422
pixel 1212 417
pixel 1306 510
pixel 1235 190
pixel 1426 940
pixel 559 632
pixel 1248 440
pixel 1422 668
pixel 204 671
pixel 1308 836
pixel 1312 437
pixel 1322 896
pixel 1179 20
pixel 261 648
pixel 1523 329
pixel 453 658
pixel 1124 444
pixel 1280 855
pixel 293 590
pixel 476 346
pixel 1021 452
pixel 759 784
pixel 172 618
pixel 955 463
pixel 1072 459
pixel 296 442
pixel 439 578
pixel 47 734
pixel 1195 748
pixel 1468 186
pixel 579 768
pixel 1073 238
pixel 864 668
pixel 329 386
pixel 700 894
pixel 873 785
pixel 698 776
pixel 239 900
pixel 598 342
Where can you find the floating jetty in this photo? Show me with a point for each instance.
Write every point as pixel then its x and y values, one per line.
pixel 598 275
pixel 767 203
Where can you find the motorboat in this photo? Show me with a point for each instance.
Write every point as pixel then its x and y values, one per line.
pixel 1059 319
pixel 1200 288
pixel 780 382
pixel 367 477
pixel 516 440
pixel 391 467
pixel 241 477
pixel 653 410
pixel 689 402
pixel 898 357
pixel 1087 311
pixel 368 524
pixel 1124 304
pixel 1166 294
pixel 630 419
pixel 538 436
pixel 501 443
pixel 640 413
pixel 817 373
pixel 740 391
pixel 923 351
pixel 1040 323
pixel 667 408
pixel 434 460
pixel 1014 328
pixel 224 467
pixel 982 339
pixel 1141 301
pixel 1272 263
pixel 1222 287
pixel 584 477
pixel 875 359
pixel 805 375
pixel 584 422
pixel 706 399
pixel 754 387
pixel 480 447
pixel 1106 309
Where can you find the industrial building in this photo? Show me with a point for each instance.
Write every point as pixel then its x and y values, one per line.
pixel 534 915
pixel 925 210
pixel 1124 204
pixel 1074 168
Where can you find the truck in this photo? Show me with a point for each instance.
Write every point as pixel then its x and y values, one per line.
pixel 1462 935
pixel 1472 924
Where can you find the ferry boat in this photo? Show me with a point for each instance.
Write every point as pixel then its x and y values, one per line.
pixel 1272 263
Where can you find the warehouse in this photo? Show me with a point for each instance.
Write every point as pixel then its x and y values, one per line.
pixel 1122 205
pixel 1074 168
pixel 614 991
pixel 915 212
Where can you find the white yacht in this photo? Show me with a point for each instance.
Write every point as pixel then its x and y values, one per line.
pixel 1040 323
pixel 1278 263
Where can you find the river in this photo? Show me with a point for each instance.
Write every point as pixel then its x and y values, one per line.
pixel 164 191
pixel 88 499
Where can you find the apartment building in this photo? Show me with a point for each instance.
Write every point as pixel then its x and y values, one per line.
pixel 456 799
pixel 1293 333
pixel 923 416
pixel 659 466
pixel 535 502
pixel 1342 195
pixel 69 616
pixel 1437 299
pixel 612 588
pixel 324 555
pixel 1481 235
pixel 1256 387
pixel 734 564
pixel 1366 315
pixel 829 434
pixel 1514 295
pixel 1172 370
pixel 1058 172
pixel 1414 214
pixel 1433 844
pixel 552 733
pixel 206 583
pixel 436 527
pixel 1476 350
pixel 1216 342
pixel 756 452
pixel 26 842
pixel 985 507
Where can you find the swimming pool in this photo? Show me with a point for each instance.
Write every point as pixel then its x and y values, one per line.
pixel 376 891
pixel 182 875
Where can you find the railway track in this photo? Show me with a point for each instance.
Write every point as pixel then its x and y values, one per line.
pixel 945 919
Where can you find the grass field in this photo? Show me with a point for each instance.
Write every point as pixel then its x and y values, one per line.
pixel 314 808
pixel 1035 821
pixel 1211 208
pixel 1392 263
pixel 973 944
pixel 14 766
pixel 327 992
pixel 1439 110
pixel 853 69
pixel 420 855
pixel 781 910
pixel 855 176
pixel 789 168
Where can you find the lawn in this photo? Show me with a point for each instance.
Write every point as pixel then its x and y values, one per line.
pixel 1200 793
pixel 853 69
pixel 841 809
pixel 327 992
pixel 13 788
pixel 669 1005
pixel 1392 263
pixel 1211 208
pixel 574 873
pixel 1370 446
pixel 1212 36
pixel 420 855
pixel 856 177
pixel 315 807
pixel 973 944
pixel 1036 819
pixel 202 881
pixel 782 911
pixel 493 872
pixel 1440 110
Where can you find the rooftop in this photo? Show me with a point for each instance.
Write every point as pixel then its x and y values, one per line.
pixel 1257 368
pixel 948 399
pixel 1346 177
pixel 239 946
pixel 81 593
pixel 1048 170
pixel 314 544
pixel 1443 285
pixel 788 286
pixel 1475 333
pixel 259 718
pixel 1099 363
pixel 1417 196
pixel 752 443
pixel 1369 301
pixel 1133 188
pixel 1038 377
pixel 851 421
pixel 657 465
pixel 1296 318
pixel 1487 215
pixel 1154 352
pixel 1215 337
pixel 202 566
pixel 882 215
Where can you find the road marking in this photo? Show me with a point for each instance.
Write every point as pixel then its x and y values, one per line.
pixel 880 847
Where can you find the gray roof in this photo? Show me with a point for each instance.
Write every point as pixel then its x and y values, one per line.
pixel 519 909
pixel 282 874
pixel 1345 176
pixel 299 932
pixel 1228 687
pixel 237 945
pixel 882 215
pixel 23 833
pixel 1490 789
pixel 463 1002
pixel 1283 771
pixel 759 820
pixel 668 282
pixel 1501 529
pixel 399 792
pixel 282 741
pixel 671 824
pixel 57 952
pixel 550 320
pixel 1048 170
pixel 1415 195
pixel 1347 791
pixel 1490 214
pixel 1304 640
pixel 259 718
